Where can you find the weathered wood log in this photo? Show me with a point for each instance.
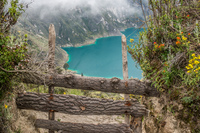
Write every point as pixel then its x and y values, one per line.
pixel 79 105
pixel 51 64
pixel 114 85
pixel 136 124
pixel 67 127
pixel 125 70
pixel 52 45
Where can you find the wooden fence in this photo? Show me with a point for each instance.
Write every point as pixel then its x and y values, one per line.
pixel 80 105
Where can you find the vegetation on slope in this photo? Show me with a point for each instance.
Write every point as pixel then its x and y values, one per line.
pixel 38 46
pixel 13 49
pixel 13 54
pixel 168 52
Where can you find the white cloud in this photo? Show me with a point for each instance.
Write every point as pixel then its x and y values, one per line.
pixel 46 7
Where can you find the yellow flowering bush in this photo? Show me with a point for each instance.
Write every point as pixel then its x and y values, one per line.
pixel 193 64
pixel 193 70
pixel 173 68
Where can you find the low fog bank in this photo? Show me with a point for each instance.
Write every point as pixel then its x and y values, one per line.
pixel 83 7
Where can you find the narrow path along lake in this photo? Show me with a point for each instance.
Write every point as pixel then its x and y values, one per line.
pixel 104 57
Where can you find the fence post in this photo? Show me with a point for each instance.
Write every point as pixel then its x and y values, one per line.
pixel 51 66
pixel 136 123
pixel 125 71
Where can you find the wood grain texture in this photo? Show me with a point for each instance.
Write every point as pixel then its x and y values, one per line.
pixel 52 45
pixel 51 64
pixel 136 124
pixel 114 85
pixel 125 70
pixel 66 127
pixel 79 105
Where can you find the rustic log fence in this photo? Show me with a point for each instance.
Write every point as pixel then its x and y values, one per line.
pixel 80 105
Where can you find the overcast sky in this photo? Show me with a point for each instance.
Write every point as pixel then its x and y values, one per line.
pixel 54 6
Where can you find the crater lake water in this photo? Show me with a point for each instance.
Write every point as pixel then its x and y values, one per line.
pixel 104 57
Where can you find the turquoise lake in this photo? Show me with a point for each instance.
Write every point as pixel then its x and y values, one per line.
pixel 104 57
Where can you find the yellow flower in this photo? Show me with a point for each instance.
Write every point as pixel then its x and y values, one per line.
pixel 2 16
pixel 196 62
pixel 156 46
pixel 188 71
pixel 193 55
pixel 188 41
pixel 190 65
pixel 6 106
pixel 131 40
pixel 64 93
pixel 19 31
pixel 187 67
pixel 190 61
pixel 184 38
pixel 196 71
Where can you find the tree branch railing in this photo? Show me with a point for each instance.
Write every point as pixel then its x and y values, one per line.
pixel 66 127
pixel 80 105
pixel 113 85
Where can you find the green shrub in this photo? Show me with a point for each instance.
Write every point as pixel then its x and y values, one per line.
pixel 12 49
pixel 169 52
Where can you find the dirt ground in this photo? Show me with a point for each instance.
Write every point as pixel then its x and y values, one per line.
pixel 24 120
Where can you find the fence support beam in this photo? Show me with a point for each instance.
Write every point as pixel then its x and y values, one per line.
pixel 125 71
pixel 136 124
pixel 79 105
pixel 66 127
pixel 51 66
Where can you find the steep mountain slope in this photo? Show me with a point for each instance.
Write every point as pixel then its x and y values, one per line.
pixel 80 24
pixel 38 46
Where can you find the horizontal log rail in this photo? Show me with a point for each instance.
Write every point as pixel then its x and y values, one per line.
pixel 79 105
pixel 113 85
pixel 66 127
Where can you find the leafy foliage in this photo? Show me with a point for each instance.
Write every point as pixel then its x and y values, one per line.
pixel 168 53
pixel 12 49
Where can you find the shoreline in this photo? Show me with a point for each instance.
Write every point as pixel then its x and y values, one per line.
pixel 95 38
pixel 93 41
